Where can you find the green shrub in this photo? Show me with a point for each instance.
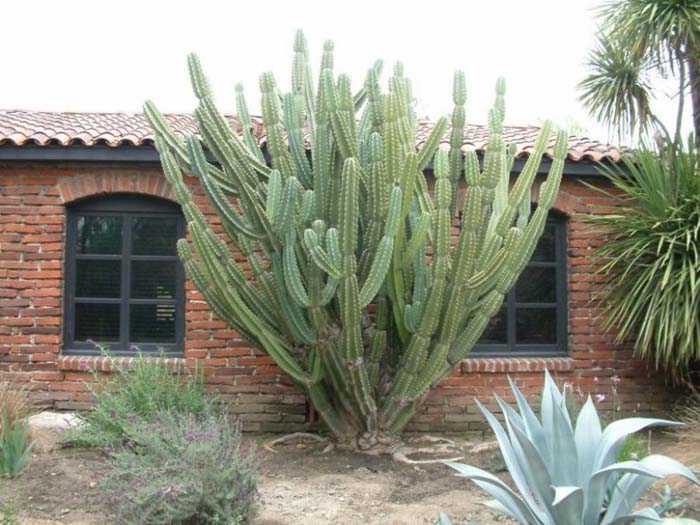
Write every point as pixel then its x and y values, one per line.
pixel 8 516
pixel 633 449
pixel 651 260
pixel 180 469
pixel 15 448
pixel 135 393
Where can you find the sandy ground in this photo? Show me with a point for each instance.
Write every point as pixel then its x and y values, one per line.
pixel 299 485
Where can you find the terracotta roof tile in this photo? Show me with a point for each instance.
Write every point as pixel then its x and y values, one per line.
pixel 115 129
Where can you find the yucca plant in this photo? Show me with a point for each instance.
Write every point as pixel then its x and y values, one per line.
pixel 651 257
pixel 351 281
pixel 566 472
pixel 15 448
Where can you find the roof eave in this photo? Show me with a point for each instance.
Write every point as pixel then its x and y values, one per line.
pixel 129 154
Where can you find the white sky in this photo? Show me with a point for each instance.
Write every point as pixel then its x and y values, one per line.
pixel 110 56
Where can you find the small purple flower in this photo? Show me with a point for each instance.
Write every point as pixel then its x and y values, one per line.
pixel 616 379
pixel 595 379
pixel 600 397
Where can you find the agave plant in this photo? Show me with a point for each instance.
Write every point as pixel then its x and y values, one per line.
pixel 567 473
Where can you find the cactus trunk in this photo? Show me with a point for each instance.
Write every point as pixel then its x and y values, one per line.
pixel 353 280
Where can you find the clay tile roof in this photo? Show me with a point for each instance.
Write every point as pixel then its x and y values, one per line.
pixel 44 128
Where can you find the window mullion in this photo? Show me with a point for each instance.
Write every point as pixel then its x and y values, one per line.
pixel 126 281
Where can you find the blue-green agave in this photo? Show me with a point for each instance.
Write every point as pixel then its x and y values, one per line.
pixel 567 473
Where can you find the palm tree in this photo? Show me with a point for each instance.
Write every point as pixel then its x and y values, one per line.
pixel 640 38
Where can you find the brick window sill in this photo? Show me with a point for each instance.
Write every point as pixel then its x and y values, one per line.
pixel 108 364
pixel 510 365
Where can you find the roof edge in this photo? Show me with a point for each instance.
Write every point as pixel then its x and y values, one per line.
pixel 130 154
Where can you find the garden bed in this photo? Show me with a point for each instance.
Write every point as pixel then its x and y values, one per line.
pixel 298 485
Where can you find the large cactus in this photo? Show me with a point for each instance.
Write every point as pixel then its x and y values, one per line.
pixel 351 280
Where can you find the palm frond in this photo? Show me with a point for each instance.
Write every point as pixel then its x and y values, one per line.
pixel 651 259
pixel 617 90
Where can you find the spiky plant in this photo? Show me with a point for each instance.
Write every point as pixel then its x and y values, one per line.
pixel 566 472
pixel 351 281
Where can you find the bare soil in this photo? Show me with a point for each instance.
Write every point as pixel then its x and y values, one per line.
pixel 299 485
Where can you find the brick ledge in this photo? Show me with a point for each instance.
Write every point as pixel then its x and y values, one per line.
pixel 501 365
pixel 97 363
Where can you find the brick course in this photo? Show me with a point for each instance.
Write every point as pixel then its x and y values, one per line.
pixel 32 217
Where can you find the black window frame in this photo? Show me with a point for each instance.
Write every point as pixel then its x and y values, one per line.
pixel 127 206
pixel 558 349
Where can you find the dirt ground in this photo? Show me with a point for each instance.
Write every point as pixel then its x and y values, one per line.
pixel 299 485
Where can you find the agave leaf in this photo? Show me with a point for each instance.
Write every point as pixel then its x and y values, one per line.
pixel 536 470
pixel 599 482
pixel 648 516
pixel 565 465
pixel 499 508
pixel 587 436
pixel 631 486
pixel 567 505
pixel 533 427
pixel 490 484
pixel 511 459
pixel 615 434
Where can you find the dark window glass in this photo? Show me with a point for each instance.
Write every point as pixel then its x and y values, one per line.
pixel 546 247
pixel 98 278
pixel 537 285
pixel 532 319
pixel 99 235
pixel 97 322
pixel 536 326
pixel 153 279
pixel 124 281
pixel 152 323
pixel 154 235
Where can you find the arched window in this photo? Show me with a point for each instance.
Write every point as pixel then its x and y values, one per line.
pixel 124 283
pixel 533 318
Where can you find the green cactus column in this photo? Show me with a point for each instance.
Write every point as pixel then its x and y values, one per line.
pixel 346 271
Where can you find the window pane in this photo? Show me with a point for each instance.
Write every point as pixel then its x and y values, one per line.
pixel 495 332
pixel 98 278
pixel 99 322
pixel 536 285
pixel 154 235
pixel 545 250
pixel 152 323
pixel 536 326
pixel 153 279
pixel 99 235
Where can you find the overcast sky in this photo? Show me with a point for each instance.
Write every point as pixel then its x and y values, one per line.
pixel 107 56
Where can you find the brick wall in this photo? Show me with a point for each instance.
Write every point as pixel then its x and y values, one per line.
pixel 32 216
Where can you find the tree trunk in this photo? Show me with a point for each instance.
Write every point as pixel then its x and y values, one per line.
pixel 694 79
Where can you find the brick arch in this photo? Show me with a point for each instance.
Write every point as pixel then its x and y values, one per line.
pixel 102 184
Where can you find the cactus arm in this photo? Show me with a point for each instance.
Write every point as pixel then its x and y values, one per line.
pixel 430 146
pixel 247 124
pixel 382 257
pixel 281 158
pixel 459 97
pixel 294 123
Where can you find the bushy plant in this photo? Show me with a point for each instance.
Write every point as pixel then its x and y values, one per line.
pixel 181 469
pixel 137 392
pixel 8 516
pixel 566 472
pixel 14 401
pixel 15 447
pixel 651 259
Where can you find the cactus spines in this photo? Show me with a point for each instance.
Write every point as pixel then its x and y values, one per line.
pixel 347 271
